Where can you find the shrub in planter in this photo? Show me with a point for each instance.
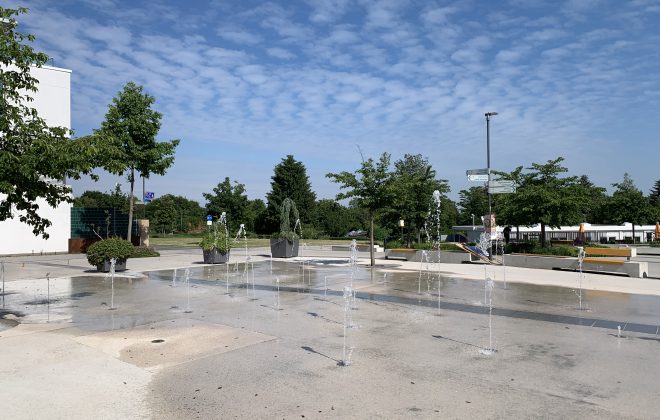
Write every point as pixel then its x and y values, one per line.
pixel 286 243
pixel 100 253
pixel 216 243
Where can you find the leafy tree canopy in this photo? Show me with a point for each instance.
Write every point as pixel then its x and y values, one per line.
pixel 129 134
pixel 35 158
pixel 290 180
pixel 370 187
pixel 230 198
pixel 171 213
pixel 98 199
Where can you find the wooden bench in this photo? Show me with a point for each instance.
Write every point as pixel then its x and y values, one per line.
pixel 596 258
pixel 626 253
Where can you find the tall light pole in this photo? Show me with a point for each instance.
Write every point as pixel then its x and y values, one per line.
pixel 489 115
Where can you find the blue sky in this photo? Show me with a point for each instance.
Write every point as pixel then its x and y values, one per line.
pixel 244 83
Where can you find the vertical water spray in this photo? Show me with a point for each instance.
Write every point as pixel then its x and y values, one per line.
pixel 48 299
pixel 489 285
pixel 581 255
pixel 347 351
pixel 187 280
pixel 113 262
pixel 174 277
pixel 2 274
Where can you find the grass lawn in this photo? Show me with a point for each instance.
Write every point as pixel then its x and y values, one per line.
pixel 193 241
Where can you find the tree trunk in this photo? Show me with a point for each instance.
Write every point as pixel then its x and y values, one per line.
pixel 130 205
pixel 371 239
pixel 542 235
pixel 517 233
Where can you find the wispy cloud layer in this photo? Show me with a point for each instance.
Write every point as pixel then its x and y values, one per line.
pixel 251 82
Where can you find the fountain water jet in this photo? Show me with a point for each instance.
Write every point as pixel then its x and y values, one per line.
pixel 346 355
pixel 489 285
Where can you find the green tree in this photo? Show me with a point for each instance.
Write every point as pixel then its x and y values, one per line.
pixel 654 196
pixel 334 220
pixel 129 137
pixel 257 216
pixel 232 200
pixel 174 213
pixel 98 199
pixel 544 197
pixel 472 202
pixel 34 158
pixel 290 180
pixel 628 204
pixel 370 187
pixel 413 185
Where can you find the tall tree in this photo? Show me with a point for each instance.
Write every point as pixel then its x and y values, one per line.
pixel 232 200
pixel 543 196
pixel 370 187
pixel 290 180
pixel 654 196
pixel 628 204
pixel 34 157
pixel 472 203
pixel 129 135
pixel 413 185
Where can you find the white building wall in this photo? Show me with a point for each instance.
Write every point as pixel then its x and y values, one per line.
pixel 53 103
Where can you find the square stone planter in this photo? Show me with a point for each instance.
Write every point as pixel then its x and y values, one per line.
pixel 120 265
pixel 281 248
pixel 215 257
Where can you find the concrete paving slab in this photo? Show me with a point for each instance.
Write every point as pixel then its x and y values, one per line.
pixel 169 343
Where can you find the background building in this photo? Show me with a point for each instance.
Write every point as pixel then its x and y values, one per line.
pixel 53 103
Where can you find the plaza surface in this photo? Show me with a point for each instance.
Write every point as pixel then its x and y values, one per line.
pixel 268 341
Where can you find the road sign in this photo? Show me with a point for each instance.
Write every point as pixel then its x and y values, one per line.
pixel 501 183
pixel 476 172
pixel 478 178
pixel 148 196
pixel 478 175
pixel 209 219
pixel 502 190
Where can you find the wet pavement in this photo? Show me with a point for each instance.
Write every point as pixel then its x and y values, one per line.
pixel 265 341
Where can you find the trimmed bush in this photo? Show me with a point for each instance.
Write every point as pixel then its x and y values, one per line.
pixel 102 251
pixel 144 251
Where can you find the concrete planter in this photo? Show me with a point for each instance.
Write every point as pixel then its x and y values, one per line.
pixel 215 257
pixel 282 248
pixel 120 265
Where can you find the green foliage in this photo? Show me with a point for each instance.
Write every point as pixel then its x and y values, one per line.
pixel 33 156
pixel 370 187
pixel 628 204
pixel 654 196
pixel 287 225
pixel 543 196
pixel 331 219
pixel 443 246
pixel 231 199
pixel 144 252
pixel 128 135
pixel 290 180
pixel 217 238
pixel 170 213
pixel 98 199
pixel 536 248
pixel 413 184
pixel 473 201
pixel 104 250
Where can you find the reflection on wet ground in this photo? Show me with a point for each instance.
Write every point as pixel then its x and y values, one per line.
pixel 165 294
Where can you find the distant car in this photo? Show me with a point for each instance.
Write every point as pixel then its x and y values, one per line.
pixel 355 233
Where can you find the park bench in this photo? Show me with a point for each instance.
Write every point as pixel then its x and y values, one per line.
pixel 626 253
pixel 597 259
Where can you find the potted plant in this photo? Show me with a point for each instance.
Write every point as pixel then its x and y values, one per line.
pixel 216 243
pixel 100 253
pixel 286 243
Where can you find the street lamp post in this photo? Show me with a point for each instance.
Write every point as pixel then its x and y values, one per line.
pixel 489 115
